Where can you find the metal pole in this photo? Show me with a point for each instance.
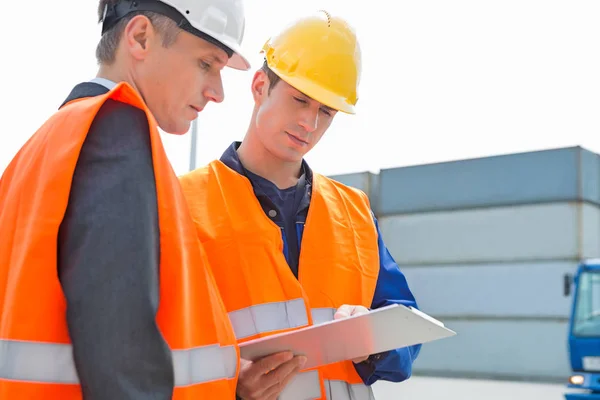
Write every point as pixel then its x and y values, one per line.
pixel 193 146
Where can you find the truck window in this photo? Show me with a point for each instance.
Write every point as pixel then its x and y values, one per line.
pixel 587 309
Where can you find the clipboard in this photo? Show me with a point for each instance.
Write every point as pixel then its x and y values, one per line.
pixel 380 330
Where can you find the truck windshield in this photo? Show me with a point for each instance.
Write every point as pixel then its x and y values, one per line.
pixel 587 310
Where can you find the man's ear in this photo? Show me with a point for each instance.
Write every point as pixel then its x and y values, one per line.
pixel 260 86
pixel 139 36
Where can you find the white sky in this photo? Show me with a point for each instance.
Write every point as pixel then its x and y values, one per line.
pixel 442 79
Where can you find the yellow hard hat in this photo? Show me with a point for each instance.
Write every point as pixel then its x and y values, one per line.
pixel 318 55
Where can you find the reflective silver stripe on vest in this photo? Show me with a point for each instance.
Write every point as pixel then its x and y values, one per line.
pixel 320 315
pixel 37 362
pixel 268 317
pixel 340 390
pixel 53 363
pixel 204 364
pixel 305 386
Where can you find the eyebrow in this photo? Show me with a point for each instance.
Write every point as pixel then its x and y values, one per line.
pixel 217 58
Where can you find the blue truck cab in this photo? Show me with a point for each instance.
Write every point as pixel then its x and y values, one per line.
pixel 584 331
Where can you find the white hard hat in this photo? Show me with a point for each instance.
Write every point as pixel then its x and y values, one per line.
pixel 221 22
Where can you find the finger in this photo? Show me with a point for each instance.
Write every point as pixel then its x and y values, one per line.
pixel 273 378
pixel 274 391
pixel 271 362
pixel 251 393
pixel 291 376
pixel 266 384
pixel 343 311
pixel 250 388
pixel 359 310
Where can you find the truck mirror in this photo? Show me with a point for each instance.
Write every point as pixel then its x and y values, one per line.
pixel 568 279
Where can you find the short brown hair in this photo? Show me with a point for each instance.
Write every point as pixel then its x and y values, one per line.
pixel 273 77
pixel 107 47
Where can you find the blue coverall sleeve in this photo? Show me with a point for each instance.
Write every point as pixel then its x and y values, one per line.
pixel 392 288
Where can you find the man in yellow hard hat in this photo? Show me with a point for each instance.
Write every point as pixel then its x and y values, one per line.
pixel 260 203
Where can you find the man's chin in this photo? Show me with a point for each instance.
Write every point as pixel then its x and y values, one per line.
pixel 176 128
pixel 296 158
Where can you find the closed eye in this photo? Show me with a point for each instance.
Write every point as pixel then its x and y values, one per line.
pixel 204 65
pixel 299 100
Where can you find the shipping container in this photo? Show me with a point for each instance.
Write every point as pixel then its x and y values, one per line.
pixel 499 349
pixel 531 289
pixel 556 231
pixel 566 174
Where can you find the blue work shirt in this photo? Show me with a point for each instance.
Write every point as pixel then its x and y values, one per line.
pixel 288 208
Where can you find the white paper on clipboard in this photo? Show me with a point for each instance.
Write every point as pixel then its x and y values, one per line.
pixel 380 330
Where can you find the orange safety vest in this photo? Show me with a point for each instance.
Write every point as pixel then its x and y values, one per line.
pixel 339 264
pixel 36 359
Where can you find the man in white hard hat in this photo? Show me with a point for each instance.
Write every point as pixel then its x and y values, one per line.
pixel 290 247
pixel 104 288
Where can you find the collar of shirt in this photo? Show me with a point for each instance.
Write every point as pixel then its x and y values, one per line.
pixel 231 159
pixel 93 87
pixel 104 82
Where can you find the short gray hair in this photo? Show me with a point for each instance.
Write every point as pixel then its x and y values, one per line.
pixel 107 47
